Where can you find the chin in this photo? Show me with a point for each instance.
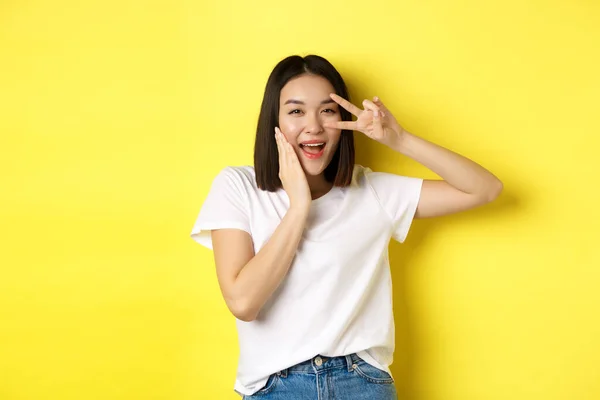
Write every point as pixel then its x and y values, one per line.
pixel 313 170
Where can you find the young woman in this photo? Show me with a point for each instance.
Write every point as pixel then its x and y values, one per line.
pixel 301 239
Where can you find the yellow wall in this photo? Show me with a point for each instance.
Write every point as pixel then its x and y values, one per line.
pixel 116 115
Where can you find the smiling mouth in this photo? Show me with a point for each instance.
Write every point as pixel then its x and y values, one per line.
pixel 313 151
pixel 312 148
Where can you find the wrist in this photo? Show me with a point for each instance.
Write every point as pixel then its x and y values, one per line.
pixel 299 210
pixel 402 142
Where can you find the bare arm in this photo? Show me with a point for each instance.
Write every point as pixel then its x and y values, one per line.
pixel 247 280
pixel 465 183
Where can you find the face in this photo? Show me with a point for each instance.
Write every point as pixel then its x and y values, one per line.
pixel 304 105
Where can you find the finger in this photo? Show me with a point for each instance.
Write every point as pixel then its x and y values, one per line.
pixel 346 104
pixel 350 125
pixel 280 150
pixel 286 150
pixel 377 127
pixel 379 103
pixel 369 105
pixel 382 108
pixel 291 156
pixel 285 145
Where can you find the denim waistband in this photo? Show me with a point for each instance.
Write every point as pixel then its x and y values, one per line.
pixel 321 363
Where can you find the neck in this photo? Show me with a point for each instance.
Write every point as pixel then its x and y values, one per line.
pixel 318 185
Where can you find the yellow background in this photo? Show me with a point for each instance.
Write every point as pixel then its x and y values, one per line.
pixel 116 116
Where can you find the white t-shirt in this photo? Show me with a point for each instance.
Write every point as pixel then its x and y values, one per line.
pixel 336 298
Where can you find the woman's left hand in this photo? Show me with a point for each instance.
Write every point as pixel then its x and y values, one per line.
pixel 375 121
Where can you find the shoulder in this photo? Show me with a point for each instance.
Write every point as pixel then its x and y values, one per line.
pixel 240 175
pixel 359 175
pixel 365 176
pixel 242 172
pixel 238 181
pixel 381 181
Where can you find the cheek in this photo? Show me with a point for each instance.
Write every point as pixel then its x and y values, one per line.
pixel 289 124
pixel 335 138
pixel 290 128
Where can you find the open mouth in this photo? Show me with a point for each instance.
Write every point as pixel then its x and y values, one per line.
pixel 313 150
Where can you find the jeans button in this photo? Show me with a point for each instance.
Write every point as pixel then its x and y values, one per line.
pixel 318 361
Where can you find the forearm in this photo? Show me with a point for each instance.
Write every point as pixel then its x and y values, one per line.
pixel 460 172
pixel 261 276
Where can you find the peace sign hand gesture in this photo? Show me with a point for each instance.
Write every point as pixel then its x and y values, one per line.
pixel 375 121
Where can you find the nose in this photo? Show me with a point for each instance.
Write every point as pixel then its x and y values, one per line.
pixel 314 125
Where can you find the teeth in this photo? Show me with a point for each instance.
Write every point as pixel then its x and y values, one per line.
pixel 314 144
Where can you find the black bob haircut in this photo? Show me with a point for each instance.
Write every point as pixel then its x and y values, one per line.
pixel 266 158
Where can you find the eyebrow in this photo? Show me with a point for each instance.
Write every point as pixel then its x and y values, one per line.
pixel 294 101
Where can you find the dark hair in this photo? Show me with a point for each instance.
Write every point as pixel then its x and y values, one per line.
pixel 266 165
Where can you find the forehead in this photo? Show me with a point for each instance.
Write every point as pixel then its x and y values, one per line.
pixel 309 88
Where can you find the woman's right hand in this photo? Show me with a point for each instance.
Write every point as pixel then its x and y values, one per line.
pixel 291 174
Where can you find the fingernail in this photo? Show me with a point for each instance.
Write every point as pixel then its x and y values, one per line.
pixel 376 113
pixel 376 98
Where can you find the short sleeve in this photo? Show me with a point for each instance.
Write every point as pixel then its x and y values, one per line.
pixel 399 197
pixel 224 207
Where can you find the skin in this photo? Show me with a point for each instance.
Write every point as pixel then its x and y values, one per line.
pixel 304 108
pixel 464 184
pixel 247 280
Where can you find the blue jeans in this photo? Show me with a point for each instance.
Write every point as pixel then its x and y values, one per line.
pixel 328 378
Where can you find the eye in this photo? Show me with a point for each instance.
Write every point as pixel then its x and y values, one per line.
pixel 294 111
pixel 329 111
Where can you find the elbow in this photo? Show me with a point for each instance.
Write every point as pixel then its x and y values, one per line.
pixel 243 311
pixel 246 317
pixel 494 191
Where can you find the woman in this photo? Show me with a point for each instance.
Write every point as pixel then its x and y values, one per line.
pixel 300 240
